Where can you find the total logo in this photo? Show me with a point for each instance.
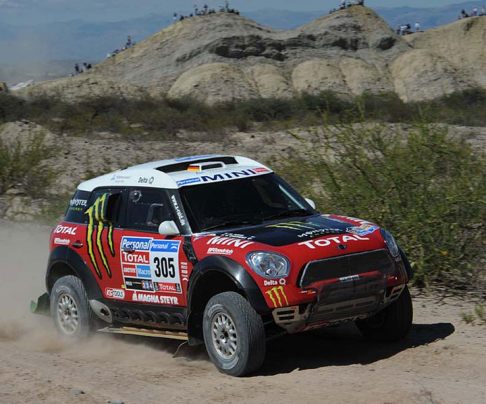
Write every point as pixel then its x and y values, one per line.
pixel 325 242
pixel 65 230
pixel 115 293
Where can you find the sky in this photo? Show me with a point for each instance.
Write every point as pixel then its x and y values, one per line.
pixel 41 11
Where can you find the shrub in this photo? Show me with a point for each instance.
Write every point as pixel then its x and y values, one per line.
pixel 428 188
pixel 24 166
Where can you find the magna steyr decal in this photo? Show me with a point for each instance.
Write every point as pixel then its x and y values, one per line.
pixel 95 218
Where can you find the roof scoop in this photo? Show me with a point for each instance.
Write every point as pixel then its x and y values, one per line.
pixel 199 167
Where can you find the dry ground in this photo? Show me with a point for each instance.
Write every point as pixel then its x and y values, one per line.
pixel 442 361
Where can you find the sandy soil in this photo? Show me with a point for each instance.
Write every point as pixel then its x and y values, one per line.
pixel 442 361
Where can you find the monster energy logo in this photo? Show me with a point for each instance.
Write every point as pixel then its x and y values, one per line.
pixel 277 296
pixel 295 226
pixel 96 219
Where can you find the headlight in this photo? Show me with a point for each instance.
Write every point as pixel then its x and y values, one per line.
pixel 269 265
pixel 390 243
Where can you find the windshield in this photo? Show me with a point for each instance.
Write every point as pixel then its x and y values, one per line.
pixel 245 201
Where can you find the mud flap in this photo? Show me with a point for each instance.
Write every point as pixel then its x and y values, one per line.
pixel 42 306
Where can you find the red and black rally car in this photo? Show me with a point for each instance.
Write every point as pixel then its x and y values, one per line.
pixel 219 250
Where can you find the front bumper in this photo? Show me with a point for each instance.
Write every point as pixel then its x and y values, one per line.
pixel 341 303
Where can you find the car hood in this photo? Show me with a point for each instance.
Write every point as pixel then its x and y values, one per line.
pixel 296 230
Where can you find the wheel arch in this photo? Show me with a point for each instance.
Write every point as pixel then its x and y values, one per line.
pixel 64 261
pixel 212 276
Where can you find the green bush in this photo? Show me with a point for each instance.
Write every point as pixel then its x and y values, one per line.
pixel 427 188
pixel 24 166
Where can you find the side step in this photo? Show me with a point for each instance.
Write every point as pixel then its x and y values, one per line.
pixel 146 333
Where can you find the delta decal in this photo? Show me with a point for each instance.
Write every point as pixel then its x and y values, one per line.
pixel 94 236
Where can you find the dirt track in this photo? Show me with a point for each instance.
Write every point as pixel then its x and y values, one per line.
pixel 442 361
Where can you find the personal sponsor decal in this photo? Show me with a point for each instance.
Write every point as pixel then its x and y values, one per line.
pixel 220 251
pixel 178 210
pixel 338 240
pixel 155 299
pixel 115 293
pixel 69 230
pixel 277 296
pixel 62 241
pixel 96 228
pixel 227 241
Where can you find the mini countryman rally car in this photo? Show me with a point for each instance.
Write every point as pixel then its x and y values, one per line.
pixel 219 250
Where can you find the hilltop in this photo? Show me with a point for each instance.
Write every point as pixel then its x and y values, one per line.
pixel 225 57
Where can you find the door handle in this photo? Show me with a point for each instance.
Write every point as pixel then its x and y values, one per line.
pixel 78 244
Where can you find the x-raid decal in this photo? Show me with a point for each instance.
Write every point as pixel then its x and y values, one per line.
pixel 96 219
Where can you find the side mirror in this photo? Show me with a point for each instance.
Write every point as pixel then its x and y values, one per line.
pixel 168 228
pixel 311 203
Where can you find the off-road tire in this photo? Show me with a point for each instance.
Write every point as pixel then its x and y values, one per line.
pixel 249 330
pixel 391 324
pixel 71 287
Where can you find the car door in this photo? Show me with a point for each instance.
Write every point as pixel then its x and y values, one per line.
pixel 150 264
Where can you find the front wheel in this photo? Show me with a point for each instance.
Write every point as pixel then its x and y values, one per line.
pixel 391 324
pixel 70 308
pixel 234 334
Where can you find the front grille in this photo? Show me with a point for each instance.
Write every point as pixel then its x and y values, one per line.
pixel 346 265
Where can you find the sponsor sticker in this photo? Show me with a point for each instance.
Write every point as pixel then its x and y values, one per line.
pixel 277 296
pixel 325 242
pixel 62 241
pixel 188 181
pixel 65 230
pixel 115 293
pixel 155 299
pixel 227 241
pixel 143 271
pixel 220 251
pixel 362 230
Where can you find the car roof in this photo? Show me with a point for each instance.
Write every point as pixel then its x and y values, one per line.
pixel 179 172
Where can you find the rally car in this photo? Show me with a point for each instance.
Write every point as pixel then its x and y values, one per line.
pixel 218 250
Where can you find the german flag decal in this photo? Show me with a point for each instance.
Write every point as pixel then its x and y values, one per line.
pixel 96 227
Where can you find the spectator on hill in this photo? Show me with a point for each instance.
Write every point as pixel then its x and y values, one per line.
pixel 417 27
pixel 464 14
pixel 483 11
pixel 77 69
pixel 343 4
pixel 475 12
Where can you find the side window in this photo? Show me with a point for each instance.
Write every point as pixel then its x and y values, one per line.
pixel 113 200
pixel 77 206
pixel 146 209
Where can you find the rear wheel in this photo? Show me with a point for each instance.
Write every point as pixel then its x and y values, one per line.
pixel 391 324
pixel 234 334
pixel 70 308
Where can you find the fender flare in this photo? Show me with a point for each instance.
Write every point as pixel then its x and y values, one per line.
pixel 239 275
pixel 67 257
pixel 406 264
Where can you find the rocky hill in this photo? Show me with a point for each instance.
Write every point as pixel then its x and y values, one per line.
pixel 224 57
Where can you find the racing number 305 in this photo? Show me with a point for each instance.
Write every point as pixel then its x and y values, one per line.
pixel 164 267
